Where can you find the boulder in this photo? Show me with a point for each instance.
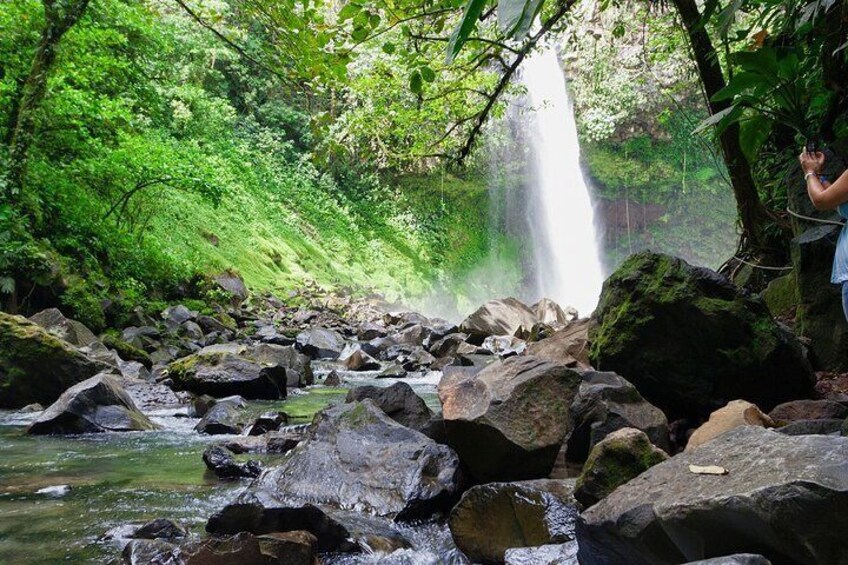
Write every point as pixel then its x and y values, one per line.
pixel 368 331
pixel 223 464
pixel 558 554
pixel 221 418
pixel 549 312
pixel 491 518
pixel 64 328
pixel 321 343
pixel 242 548
pixel 149 552
pixel 736 413
pixel 616 459
pixel 690 340
pixel 370 462
pixel 261 371
pixel 814 427
pixel 289 548
pixel 333 379
pixel 35 365
pixel 127 351
pixel 504 316
pixel 260 513
pixel 354 359
pixel 819 316
pixel 808 410
pixel 161 528
pixel 504 345
pixel 399 402
pixel 448 345
pixel 568 346
pixel 781 295
pixel 606 402
pixel 508 421
pixel 98 404
pixel 234 285
pixel 782 496
pixel 267 422
pixel 298 366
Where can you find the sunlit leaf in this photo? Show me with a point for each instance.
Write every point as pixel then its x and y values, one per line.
pixel 516 16
pixel 466 25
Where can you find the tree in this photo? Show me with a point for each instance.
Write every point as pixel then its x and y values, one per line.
pixel 59 17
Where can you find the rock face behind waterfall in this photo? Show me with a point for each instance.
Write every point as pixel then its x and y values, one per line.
pixel 508 422
pixel 98 404
pixel 354 456
pixel 783 497
pixel 690 340
pixel 498 317
pixel 36 366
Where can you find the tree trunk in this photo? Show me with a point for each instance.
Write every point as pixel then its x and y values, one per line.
pixel 59 17
pixel 752 213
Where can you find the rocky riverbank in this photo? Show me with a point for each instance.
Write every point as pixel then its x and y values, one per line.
pixel 680 422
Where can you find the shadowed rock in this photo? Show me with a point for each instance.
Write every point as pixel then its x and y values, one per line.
pixel 498 317
pixel 399 402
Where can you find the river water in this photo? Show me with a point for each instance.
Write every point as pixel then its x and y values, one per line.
pixel 121 478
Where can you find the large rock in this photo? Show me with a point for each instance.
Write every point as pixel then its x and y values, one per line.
pixel 549 312
pixel 224 465
pixel 557 554
pixel 498 317
pixel 690 340
pixel 64 328
pixel 35 365
pixel 494 517
pixel 221 418
pixel 616 459
pixel 735 559
pixel 399 402
pixel 606 402
pixel 736 413
pixel 321 343
pixel 808 410
pixel 98 404
pixel 568 346
pixel 508 421
pixel 783 497
pixel 262 371
pixel 819 315
pixel 354 456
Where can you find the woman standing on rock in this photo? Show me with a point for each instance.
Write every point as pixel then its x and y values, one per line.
pixel 827 196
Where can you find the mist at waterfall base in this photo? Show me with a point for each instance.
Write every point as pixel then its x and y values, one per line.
pixel 543 241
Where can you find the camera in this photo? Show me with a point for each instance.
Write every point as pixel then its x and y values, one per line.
pixel 812 146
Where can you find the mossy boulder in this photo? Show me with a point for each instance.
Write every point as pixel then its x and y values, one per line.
pixel 37 366
pixel 127 351
pixel 494 517
pixel 615 460
pixel 690 340
pixel 781 295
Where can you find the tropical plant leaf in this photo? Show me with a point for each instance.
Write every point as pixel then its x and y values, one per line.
pixel 416 83
pixel 753 132
pixel 738 84
pixel 714 120
pixel 516 16
pixel 464 28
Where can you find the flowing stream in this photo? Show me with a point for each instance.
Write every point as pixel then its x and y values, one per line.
pixel 560 217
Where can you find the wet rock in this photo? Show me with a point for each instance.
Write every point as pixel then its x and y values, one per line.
pixel 223 370
pixel 269 334
pixel 509 421
pixel 233 284
pixel 400 319
pixel 321 343
pixel 368 331
pixel 283 442
pixel 192 330
pixel 736 413
pixel 161 528
pixel 367 461
pixel 416 359
pixel 448 345
pixel 504 345
pixel 498 317
pixel 606 402
pixel 223 464
pixel 290 548
pixel 242 548
pixel 399 402
pixel 616 459
pixel 246 444
pixel 354 359
pixel 568 346
pixel 64 328
pixel 737 559
pixel 200 405
pixel 333 379
pixel 36 366
pixel 267 422
pixel 98 404
pixel 808 410
pixel 560 554
pixel 30 408
pixel 812 427
pixel 690 340
pixel 211 324
pixel 150 552
pixel 145 338
pixel 414 335
pixel 149 396
pixel 393 371
pixel 221 418
pixel 491 518
pixel 772 499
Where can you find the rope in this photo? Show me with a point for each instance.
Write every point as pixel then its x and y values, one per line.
pixel 811 219
pixel 741 260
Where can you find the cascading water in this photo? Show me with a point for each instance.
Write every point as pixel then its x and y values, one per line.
pixel 560 216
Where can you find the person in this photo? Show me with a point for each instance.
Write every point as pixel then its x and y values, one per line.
pixel 827 196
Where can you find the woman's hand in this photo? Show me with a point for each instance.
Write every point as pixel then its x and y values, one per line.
pixel 811 162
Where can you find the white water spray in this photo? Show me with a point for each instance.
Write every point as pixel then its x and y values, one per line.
pixel 560 215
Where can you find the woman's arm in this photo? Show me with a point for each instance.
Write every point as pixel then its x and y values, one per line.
pixel 823 196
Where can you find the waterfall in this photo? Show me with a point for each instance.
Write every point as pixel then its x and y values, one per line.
pixel 559 212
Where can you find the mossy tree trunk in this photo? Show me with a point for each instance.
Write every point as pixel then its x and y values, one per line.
pixel 753 214
pixel 59 17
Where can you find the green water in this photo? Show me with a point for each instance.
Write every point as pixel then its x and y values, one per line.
pixel 115 479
